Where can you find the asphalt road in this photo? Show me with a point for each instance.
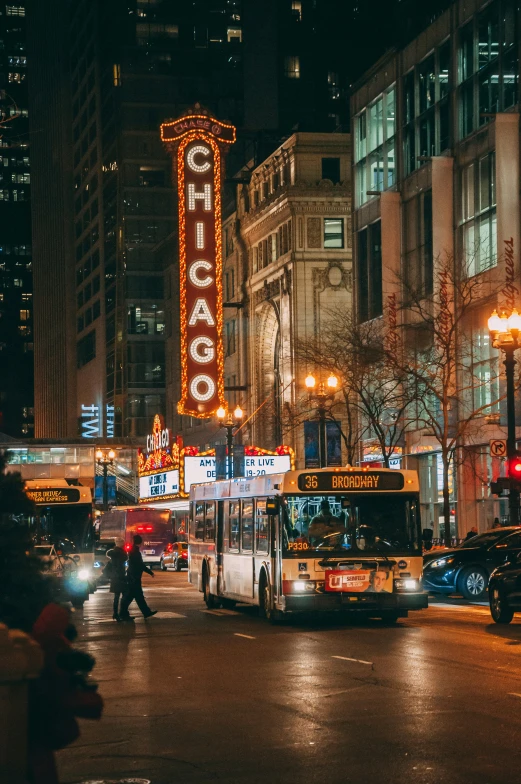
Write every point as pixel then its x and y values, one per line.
pixel 196 696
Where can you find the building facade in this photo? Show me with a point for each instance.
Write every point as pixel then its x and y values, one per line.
pixel 16 284
pixel 286 265
pixel 436 175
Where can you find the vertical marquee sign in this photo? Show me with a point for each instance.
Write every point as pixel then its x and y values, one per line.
pixel 198 143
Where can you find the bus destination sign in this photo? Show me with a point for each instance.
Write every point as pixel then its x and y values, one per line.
pixel 352 481
pixel 53 495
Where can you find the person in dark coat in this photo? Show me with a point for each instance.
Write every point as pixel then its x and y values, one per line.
pixel 118 584
pixel 134 591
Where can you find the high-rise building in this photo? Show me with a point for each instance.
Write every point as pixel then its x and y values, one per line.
pixel 106 74
pixel 16 311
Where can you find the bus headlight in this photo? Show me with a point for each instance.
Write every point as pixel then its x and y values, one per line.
pixel 407 585
pixel 83 574
pixel 300 586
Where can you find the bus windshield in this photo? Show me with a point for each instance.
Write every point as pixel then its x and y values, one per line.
pixel 386 524
pixel 69 528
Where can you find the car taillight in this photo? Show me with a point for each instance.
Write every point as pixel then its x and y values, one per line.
pixel 140 529
pixel 184 554
pixel 149 529
pixel 169 548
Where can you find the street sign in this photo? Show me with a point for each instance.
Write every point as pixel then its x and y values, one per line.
pixel 498 447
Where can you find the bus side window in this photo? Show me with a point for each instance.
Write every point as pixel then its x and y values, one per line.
pixel 261 528
pixel 209 532
pixel 247 526
pixel 234 523
pixel 199 521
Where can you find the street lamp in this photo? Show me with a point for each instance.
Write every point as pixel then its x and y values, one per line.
pixel 504 332
pixel 105 459
pixel 231 423
pixel 323 394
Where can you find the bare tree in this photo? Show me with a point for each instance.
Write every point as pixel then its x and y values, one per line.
pixel 375 402
pixel 436 361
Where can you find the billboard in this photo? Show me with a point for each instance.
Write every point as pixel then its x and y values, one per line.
pixel 157 486
pixel 201 468
pixel 198 143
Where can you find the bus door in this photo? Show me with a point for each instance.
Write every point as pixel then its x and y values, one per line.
pixel 263 523
pixel 247 558
pixel 219 541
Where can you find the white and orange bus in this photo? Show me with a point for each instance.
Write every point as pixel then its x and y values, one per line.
pixel 325 539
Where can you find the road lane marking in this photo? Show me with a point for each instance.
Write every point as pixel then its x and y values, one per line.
pixel 347 658
pixel 246 636
pixel 220 612
pixel 167 614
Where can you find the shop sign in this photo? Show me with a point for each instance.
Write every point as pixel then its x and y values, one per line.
pixel 198 143
pixel 156 486
pixel 90 421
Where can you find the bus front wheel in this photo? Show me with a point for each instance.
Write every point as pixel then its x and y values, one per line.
pixel 209 598
pixel 265 603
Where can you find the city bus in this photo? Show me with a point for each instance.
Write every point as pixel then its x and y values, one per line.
pixel 152 524
pixel 63 517
pixel 319 540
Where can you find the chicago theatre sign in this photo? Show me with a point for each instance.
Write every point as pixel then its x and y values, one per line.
pixel 198 143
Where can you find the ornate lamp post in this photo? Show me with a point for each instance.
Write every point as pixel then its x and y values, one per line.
pixel 105 459
pixel 231 423
pixel 504 333
pixel 321 394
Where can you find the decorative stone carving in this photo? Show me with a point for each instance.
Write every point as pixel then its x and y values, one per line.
pixel 314 233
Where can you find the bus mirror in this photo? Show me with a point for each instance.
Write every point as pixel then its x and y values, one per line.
pixel 427 534
pixel 272 506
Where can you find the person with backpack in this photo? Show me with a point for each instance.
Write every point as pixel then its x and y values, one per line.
pixel 115 571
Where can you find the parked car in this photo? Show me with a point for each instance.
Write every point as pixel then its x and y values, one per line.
pixel 466 568
pixel 504 590
pixel 174 555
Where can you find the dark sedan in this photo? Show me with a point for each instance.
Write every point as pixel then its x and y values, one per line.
pixel 504 590
pixel 466 569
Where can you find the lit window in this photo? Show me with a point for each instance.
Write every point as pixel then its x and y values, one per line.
pixel 292 67
pixel 18 283
pixel 333 233
pixel 14 76
pixel 25 297
pixel 25 315
pixel 116 74
pixel 296 10
pixel 15 10
pixel 24 330
pixel 234 35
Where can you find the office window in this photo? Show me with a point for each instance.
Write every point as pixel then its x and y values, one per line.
pixel 296 10
pixel 331 169
pixel 230 329
pixel 369 272
pixel 487 68
pixel 15 10
pixel 333 232
pixel 418 255
pixel 426 130
pixel 25 315
pixel 478 214
pixel 86 349
pixel 375 147
pixel 292 67
pixel 484 368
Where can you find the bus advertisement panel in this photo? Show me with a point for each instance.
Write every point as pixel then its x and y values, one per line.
pixel 322 539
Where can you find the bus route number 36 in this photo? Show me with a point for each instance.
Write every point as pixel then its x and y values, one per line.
pixel 311 482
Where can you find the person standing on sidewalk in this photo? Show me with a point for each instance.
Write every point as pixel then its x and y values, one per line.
pixel 116 573
pixel 134 590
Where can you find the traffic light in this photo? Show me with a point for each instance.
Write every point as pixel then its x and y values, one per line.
pixel 501 485
pixel 514 472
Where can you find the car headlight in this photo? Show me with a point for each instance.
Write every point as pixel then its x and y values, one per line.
pixel 83 574
pixel 407 585
pixel 440 563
